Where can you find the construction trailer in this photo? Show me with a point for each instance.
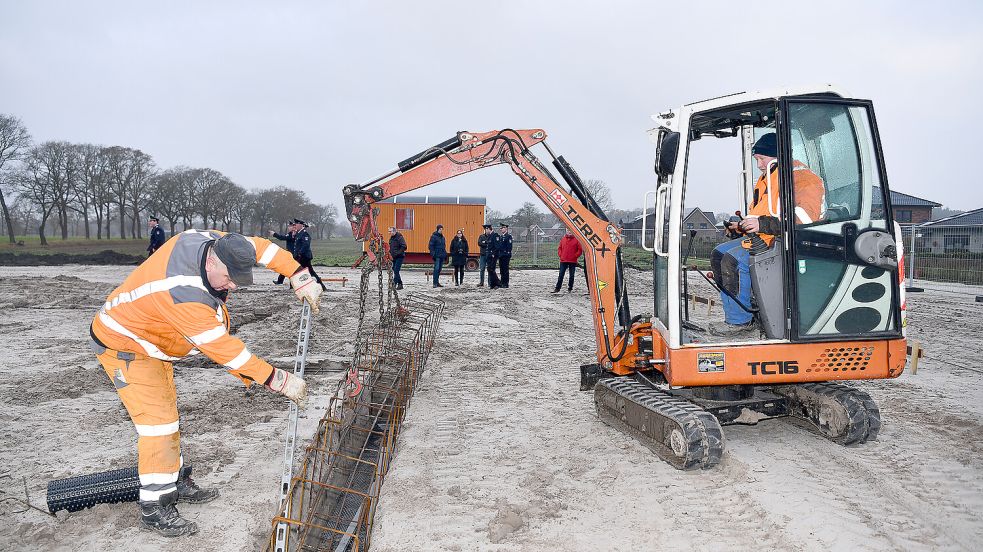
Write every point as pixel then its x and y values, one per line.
pixel 416 217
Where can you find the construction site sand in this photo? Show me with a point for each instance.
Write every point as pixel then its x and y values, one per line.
pixel 500 451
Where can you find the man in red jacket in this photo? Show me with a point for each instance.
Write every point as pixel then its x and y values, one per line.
pixel 569 251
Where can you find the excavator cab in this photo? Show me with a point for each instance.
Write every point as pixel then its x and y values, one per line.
pixel 825 301
pixel 831 274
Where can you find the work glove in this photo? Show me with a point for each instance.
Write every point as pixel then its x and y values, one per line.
pixel 306 287
pixel 291 386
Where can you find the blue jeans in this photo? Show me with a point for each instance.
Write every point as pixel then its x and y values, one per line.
pixel 731 265
pixel 482 261
pixel 438 263
pixel 397 264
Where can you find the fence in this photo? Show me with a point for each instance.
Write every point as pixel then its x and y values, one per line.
pixel 939 258
pixel 947 258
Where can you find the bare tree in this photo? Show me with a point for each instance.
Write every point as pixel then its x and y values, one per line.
pixel 44 179
pixel 527 216
pixel 14 140
pixel 88 188
pixel 325 219
pixel 601 193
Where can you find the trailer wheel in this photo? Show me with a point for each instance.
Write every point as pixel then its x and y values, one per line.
pixel 471 265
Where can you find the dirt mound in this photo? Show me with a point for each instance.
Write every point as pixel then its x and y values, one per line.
pixel 104 257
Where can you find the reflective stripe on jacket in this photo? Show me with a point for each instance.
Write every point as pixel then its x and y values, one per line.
pixel 810 197
pixel 165 309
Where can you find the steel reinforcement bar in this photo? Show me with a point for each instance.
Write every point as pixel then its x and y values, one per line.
pixel 333 496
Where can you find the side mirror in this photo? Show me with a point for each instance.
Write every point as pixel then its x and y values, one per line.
pixel 665 155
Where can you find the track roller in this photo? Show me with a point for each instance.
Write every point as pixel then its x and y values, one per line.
pixel 677 430
pixel 841 413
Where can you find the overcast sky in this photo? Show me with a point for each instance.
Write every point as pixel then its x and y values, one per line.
pixel 318 95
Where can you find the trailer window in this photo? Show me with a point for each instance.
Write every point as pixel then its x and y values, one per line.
pixel 404 219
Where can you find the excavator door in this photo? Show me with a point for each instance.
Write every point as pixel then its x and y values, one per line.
pixel 843 263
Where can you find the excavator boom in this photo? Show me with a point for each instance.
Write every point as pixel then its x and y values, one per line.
pixel 618 335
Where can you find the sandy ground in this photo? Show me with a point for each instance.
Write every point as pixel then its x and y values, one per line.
pixel 500 450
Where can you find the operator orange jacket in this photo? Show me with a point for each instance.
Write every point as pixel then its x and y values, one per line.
pixel 165 309
pixel 810 197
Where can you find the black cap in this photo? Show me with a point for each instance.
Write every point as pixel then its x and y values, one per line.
pixel 238 255
pixel 439 226
pixel 503 225
pixel 298 221
pixel 766 145
pixel 155 219
pixel 488 226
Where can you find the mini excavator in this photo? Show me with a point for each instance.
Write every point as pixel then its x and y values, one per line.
pixel 827 300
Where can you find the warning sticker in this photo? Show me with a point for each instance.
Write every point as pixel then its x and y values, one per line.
pixel 601 284
pixel 710 362
pixel 558 197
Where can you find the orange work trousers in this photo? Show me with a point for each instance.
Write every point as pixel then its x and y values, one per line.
pixel 146 387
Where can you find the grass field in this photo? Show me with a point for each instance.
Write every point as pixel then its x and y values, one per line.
pixel 339 251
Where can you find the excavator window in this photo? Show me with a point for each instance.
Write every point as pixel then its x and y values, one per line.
pixel 837 293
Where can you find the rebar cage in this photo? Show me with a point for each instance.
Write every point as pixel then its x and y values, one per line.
pixel 332 498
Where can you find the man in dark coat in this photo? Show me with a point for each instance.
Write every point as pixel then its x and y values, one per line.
pixel 438 251
pixel 302 250
pixel 290 238
pixel 397 249
pixel 484 252
pixel 503 251
pixel 157 237
pixel 493 241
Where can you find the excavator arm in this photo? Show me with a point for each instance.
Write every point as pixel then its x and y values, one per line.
pixel 620 338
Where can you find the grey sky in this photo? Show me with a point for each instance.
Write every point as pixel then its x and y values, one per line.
pixel 317 95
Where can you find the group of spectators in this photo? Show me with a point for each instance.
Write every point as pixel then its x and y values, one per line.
pixel 494 256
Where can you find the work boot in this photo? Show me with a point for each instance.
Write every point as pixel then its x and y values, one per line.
pixel 189 491
pixel 399 286
pixel 557 290
pixel 732 330
pixel 481 285
pixel 162 517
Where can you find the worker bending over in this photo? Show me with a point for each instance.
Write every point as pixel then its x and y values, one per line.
pixel 730 261
pixel 171 306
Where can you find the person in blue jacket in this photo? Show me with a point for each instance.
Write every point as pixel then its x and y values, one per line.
pixel 438 251
pixel 157 237
pixel 503 251
pixel 302 249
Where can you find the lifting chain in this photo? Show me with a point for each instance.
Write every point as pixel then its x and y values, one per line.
pixel 375 246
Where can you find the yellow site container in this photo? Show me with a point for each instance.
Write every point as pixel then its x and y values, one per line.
pixel 416 218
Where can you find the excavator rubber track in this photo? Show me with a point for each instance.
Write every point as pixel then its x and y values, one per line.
pixel 841 413
pixel 678 431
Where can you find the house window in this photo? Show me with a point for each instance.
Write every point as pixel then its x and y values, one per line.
pixel 902 215
pixel 404 219
pixel 703 226
pixel 958 242
pixel 689 225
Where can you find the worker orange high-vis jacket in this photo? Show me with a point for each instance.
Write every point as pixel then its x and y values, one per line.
pixel 810 197
pixel 165 309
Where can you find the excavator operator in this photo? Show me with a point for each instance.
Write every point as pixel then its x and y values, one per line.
pixel 730 261
pixel 173 305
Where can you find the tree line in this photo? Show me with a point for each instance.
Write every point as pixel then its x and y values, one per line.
pixel 89 189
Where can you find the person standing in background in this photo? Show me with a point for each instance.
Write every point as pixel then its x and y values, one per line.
pixel 503 251
pixel 459 256
pixel 484 252
pixel 302 250
pixel 438 252
pixel 397 250
pixel 157 237
pixel 569 251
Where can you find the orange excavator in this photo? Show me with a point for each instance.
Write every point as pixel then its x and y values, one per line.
pixel 826 303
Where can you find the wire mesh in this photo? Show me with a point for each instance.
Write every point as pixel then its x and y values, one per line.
pixel 333 496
